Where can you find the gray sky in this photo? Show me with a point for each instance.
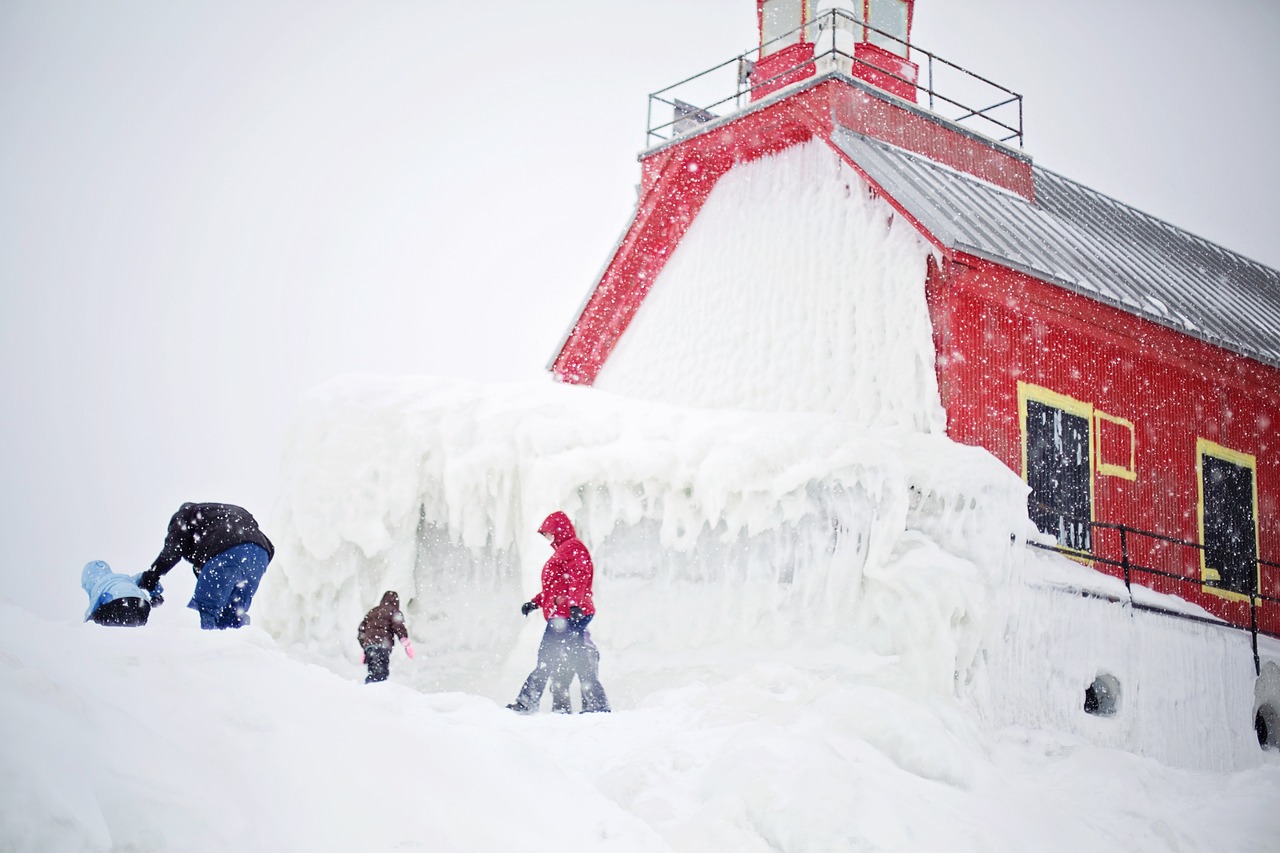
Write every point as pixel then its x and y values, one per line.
pixel 207 209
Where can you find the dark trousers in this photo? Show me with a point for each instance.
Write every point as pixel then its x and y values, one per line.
pixel 123 612
pixel 378 659
pixel 566 650
pixel 226 586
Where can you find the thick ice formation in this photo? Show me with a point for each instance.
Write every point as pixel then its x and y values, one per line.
pixel 706 526
pixel 795 289
pixel 724 535
pixel 1184 690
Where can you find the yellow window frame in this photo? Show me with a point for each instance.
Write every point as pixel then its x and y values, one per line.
pixel 1070 405
pixel 1205 447
pixel 1131 472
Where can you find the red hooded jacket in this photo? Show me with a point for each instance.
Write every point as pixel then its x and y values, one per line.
pixel 567 576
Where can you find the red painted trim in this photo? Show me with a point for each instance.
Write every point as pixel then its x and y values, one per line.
pixel 911 16
pixel 864 113
pixel 882 68
pixel 796 57
pixel 678 180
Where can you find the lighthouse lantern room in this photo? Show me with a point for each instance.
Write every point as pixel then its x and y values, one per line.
pixel 866 39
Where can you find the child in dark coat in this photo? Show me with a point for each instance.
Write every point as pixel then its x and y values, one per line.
pixel 377 633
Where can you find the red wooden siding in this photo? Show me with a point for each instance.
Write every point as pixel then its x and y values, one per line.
pixel 995 328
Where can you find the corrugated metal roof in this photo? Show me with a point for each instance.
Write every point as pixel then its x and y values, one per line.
pixel 1087 242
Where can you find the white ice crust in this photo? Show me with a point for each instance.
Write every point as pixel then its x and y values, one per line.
pixel 795 289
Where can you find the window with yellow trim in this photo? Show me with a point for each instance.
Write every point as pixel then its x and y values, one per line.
pixel 1228 517
pixel 1058 464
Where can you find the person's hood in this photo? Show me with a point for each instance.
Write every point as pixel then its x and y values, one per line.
pixel 94 571
pixel 560 528
pixel 391 598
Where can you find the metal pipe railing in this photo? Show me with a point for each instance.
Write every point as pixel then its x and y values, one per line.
pixel 824 27
pixel 1254 594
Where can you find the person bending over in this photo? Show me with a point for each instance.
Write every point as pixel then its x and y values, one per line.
pixel 228 553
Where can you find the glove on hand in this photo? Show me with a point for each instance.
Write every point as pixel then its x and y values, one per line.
pixel 575 612
pixel 527 608
pixel 362 657
pixel 408 647
pixel 153 588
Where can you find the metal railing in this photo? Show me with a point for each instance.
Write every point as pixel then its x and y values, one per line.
pixel 947 89
pixel 1131 570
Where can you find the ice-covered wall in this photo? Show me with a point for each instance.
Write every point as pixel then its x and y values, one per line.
pixel 1186 689
pixel 727 535
pixel 707 526
pixel 794 289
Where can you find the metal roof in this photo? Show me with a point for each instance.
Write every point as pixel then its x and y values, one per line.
pixel 1089 243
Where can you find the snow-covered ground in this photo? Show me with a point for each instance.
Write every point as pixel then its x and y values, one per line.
pixel 853 656
pixel 170 738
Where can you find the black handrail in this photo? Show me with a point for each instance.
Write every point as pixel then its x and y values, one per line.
pixel 1128 567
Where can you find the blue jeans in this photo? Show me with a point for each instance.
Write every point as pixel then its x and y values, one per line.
pixel 226 586
pixel 566 650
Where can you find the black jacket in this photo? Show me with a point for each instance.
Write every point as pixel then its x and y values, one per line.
pixel 199 532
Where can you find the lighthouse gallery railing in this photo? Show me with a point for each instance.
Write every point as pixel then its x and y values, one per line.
pixel 947 89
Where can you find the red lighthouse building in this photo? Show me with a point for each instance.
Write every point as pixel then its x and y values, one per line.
pixel 1128 370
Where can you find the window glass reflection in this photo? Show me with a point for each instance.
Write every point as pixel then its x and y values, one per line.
pixel 781 18
pixel 891 17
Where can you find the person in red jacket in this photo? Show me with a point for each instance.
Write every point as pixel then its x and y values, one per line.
pixel 566 649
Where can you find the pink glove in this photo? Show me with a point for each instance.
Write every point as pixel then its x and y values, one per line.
pixel 362 657
pixel 408 647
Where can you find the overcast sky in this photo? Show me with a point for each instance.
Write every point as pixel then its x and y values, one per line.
pixel 209 208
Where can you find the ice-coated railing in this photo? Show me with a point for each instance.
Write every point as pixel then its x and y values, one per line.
pixel 953 93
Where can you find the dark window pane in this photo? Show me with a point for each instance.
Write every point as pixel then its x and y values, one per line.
pixel 1229 539
pixel 1059 475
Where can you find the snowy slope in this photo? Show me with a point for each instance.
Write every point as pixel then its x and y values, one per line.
pixel 169 738
pixel 920 692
